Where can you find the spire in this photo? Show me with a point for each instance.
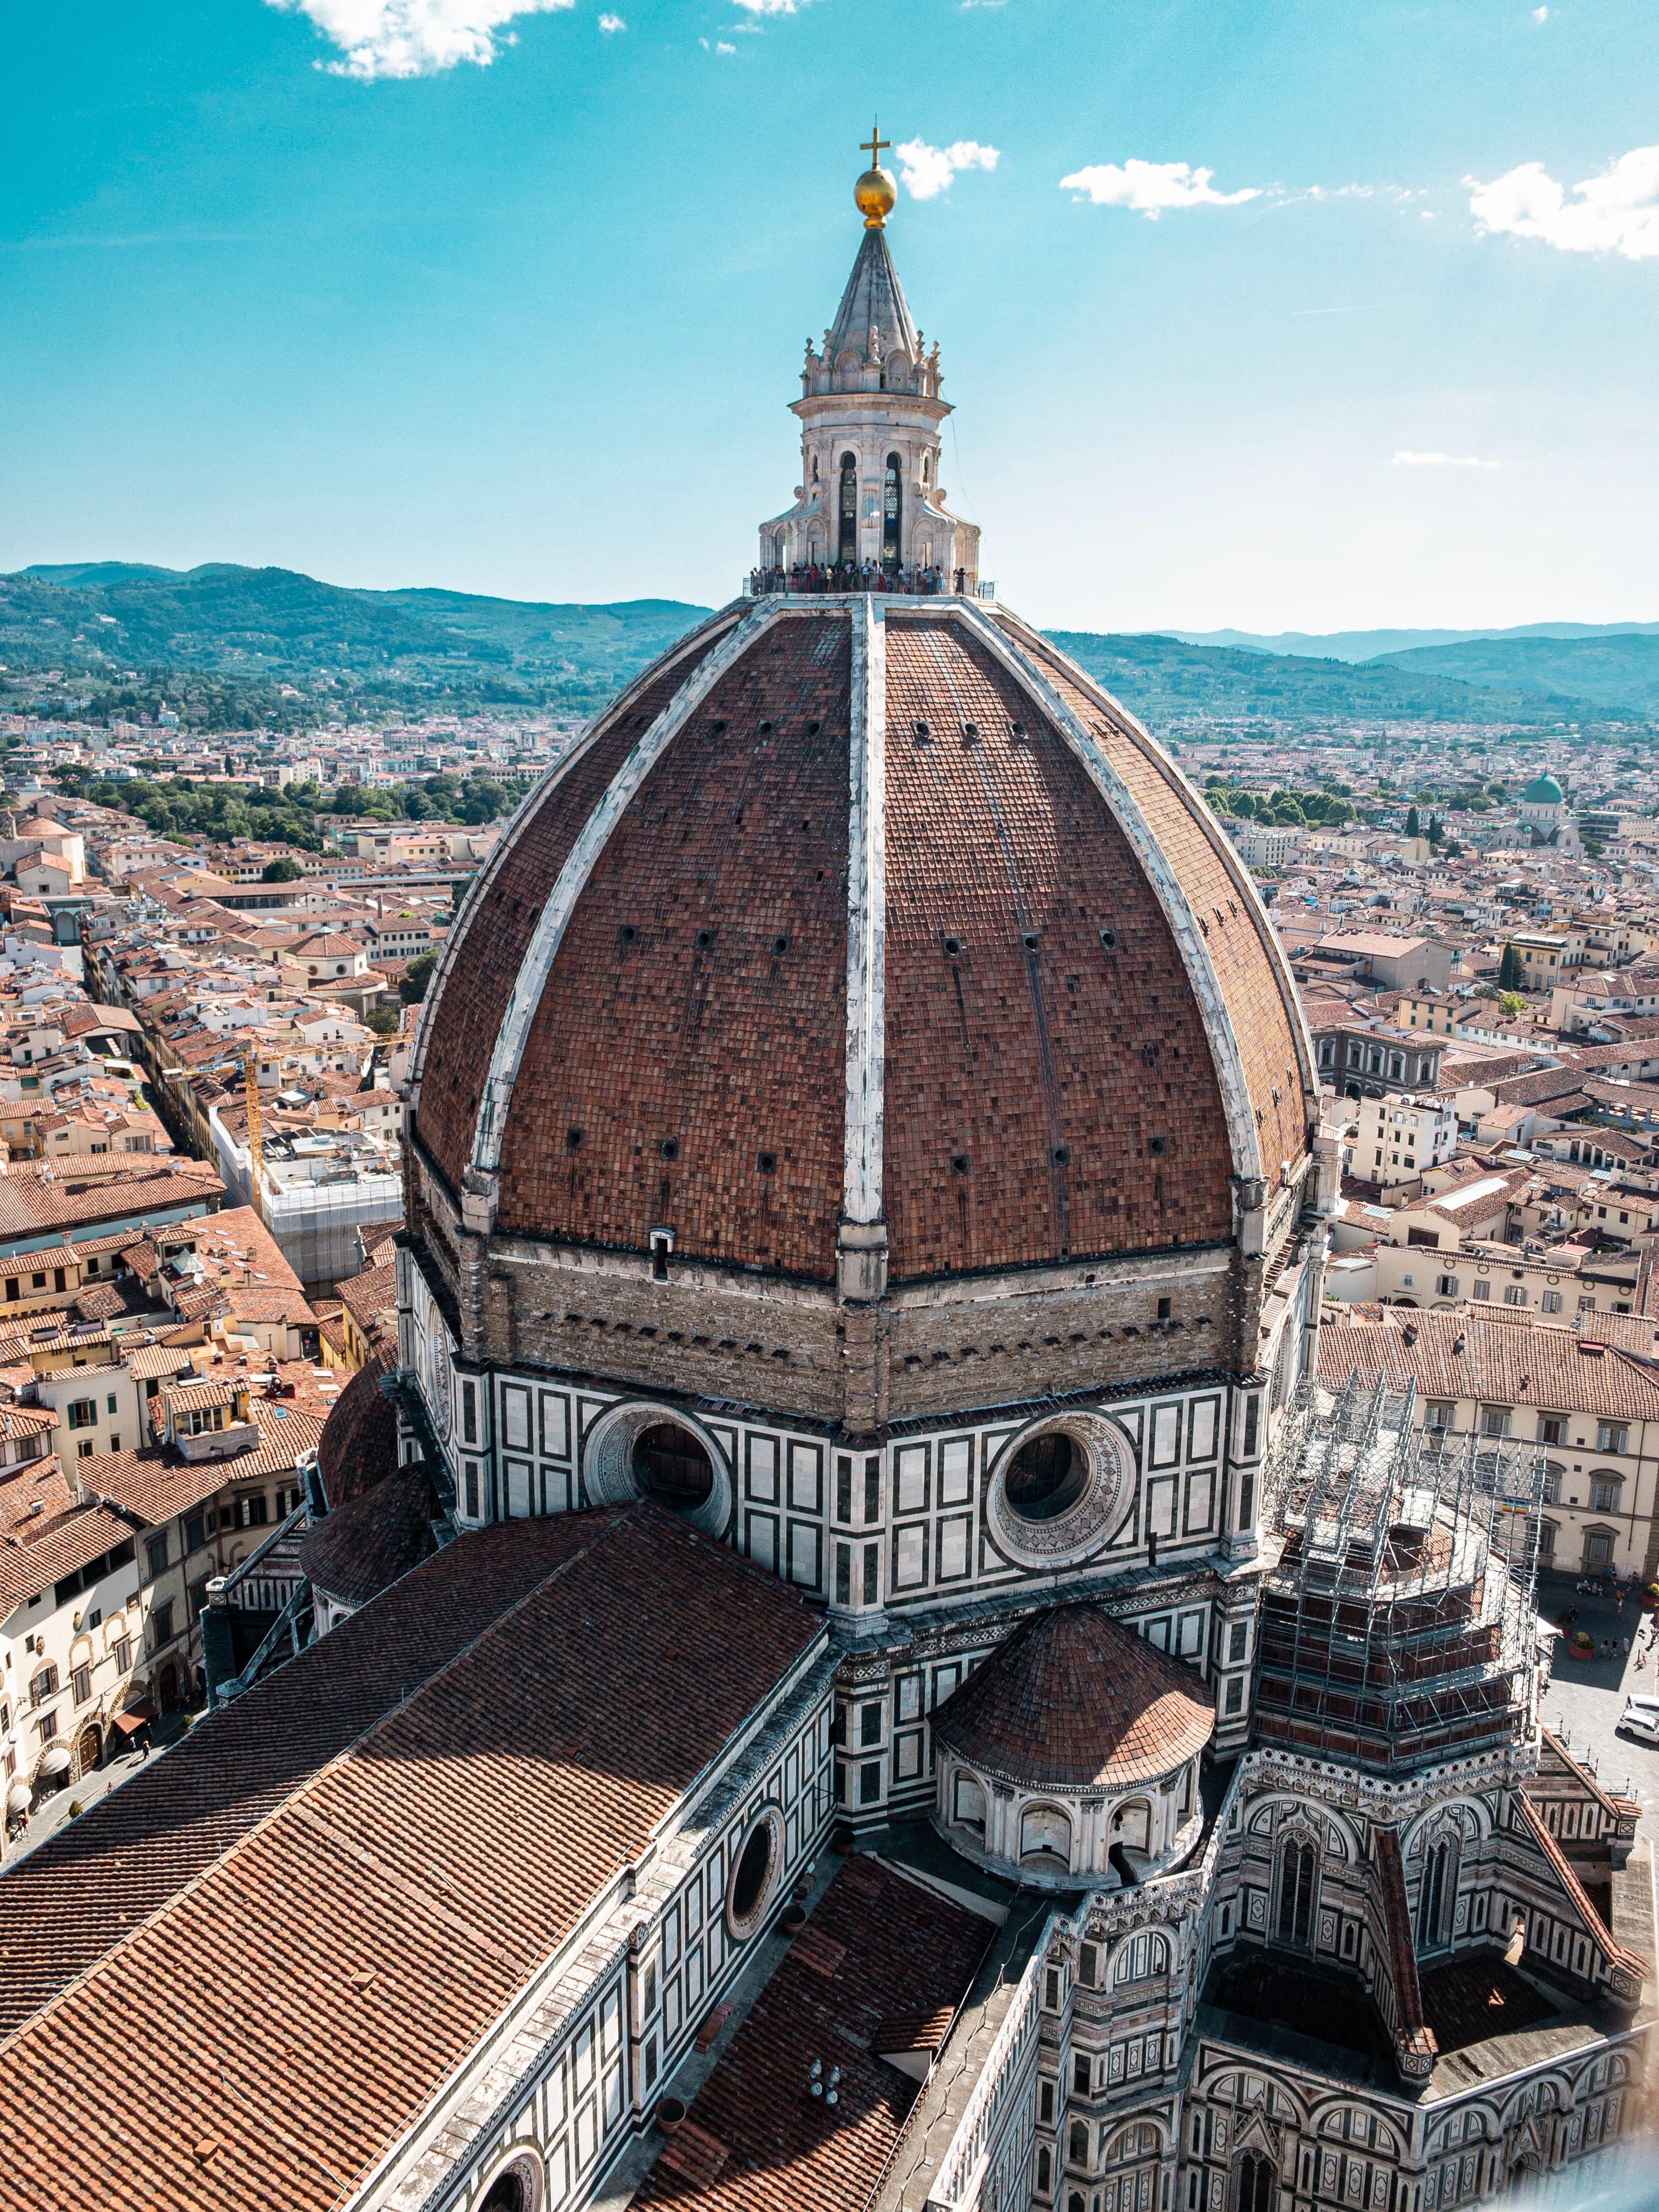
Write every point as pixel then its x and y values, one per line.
pixel 873 319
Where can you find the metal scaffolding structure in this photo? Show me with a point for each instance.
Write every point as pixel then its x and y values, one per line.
pixel 1397 1624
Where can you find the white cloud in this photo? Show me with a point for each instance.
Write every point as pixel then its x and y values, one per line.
pixel 413 38
pixel 769 7
pixel 1617 212
pixel 1541 15
pixel 1405 460
pixel 1149 188
pixel 613 23
pixel 720 47
pixel 927 170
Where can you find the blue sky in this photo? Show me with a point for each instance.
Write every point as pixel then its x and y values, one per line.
pixel 465 293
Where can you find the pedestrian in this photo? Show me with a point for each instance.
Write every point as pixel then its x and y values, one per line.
pixel 1624 1647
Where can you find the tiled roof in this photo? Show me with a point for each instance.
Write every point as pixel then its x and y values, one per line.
pixel 1510 1363
pixel 36 1553
pixel 1071 1699
pixel 311 1869
pixel 360 1443
pixel 29 1203
pixel 370 1297
pixel 364 1547
pixel 891 1948
pixel 1051 1082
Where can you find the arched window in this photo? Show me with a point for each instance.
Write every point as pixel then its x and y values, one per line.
pixel 847 547
pixel 1142 1955
pixel 1298 1873
pixel 1437 1896
pixel 1045 2178
pixel 892 514
pixel 1256 2180
pixel 1077 2148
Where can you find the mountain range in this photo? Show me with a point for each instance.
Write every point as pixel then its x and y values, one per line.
pixel 236 648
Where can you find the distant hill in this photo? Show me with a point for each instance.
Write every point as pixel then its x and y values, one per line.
pixel 1619 671
pixel 230 647
pixel 1373 644
pixel 254 630
pixel 1162 679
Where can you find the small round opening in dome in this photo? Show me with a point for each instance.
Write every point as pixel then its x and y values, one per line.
pixel 1047 1477
pixel 672 1467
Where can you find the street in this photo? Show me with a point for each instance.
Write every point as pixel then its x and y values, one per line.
pixel 1583 1701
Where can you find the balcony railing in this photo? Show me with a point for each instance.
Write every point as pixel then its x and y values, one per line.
pixel 864 576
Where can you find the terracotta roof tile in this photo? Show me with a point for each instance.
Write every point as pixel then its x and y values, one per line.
pixel 903 1951
pixel 309 1871
pixel 1072 1700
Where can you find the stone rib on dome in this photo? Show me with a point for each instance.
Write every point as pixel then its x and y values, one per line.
pixel 1087 1041
pixel 1072 1700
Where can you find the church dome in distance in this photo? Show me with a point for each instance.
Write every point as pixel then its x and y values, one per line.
pixel 1543 791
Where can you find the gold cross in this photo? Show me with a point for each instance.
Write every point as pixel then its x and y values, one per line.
pixel 875 145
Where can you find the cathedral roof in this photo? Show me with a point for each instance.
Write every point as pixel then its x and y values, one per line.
pixel 873 300
pixel 432 1798
pixel 1543 791
pixel 866 910
pixel 1072 1700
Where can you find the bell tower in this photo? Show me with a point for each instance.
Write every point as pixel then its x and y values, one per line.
pixel 871 415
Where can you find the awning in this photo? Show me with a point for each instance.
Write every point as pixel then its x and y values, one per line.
pixel 18 1798
pixel 134 1718
pixel 54 1759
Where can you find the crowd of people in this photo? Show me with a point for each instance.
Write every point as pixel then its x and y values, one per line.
pixel 855 576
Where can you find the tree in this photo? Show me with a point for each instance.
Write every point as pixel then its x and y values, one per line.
pixel 1436 831
pixel 283 869
pixel 1414 825
pixel 385 1021
pixel 1510 975
pixel 416 977
pixel 1511 1002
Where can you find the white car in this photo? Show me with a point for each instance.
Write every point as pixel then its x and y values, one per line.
pixel 1641 1717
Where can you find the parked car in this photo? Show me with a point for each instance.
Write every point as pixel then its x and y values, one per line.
pixel 1641 1717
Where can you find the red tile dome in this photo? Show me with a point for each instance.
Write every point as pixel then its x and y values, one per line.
pixel 867 910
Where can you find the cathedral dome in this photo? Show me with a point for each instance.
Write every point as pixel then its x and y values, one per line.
pixel 1543 791
pixel 864 914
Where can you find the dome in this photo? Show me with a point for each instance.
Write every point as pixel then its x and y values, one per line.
pixel 1072 1700
pixel 863 910
pixel 1543 791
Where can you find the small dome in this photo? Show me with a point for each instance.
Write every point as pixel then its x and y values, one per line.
pixel 1072 1700
pixel 1543 791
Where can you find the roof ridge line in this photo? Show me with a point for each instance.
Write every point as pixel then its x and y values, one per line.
pixel 297 1796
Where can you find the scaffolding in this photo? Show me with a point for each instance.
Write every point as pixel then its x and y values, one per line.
pixel 1397 1626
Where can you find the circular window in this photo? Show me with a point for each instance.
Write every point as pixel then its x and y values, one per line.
pixel 1046 1477
pixel 516 2188
pixel 644 1450
pixel 670 1466
pixel 754 1876
pixel 1059 1491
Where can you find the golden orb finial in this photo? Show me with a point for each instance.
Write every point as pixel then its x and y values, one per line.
pixel 875 193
